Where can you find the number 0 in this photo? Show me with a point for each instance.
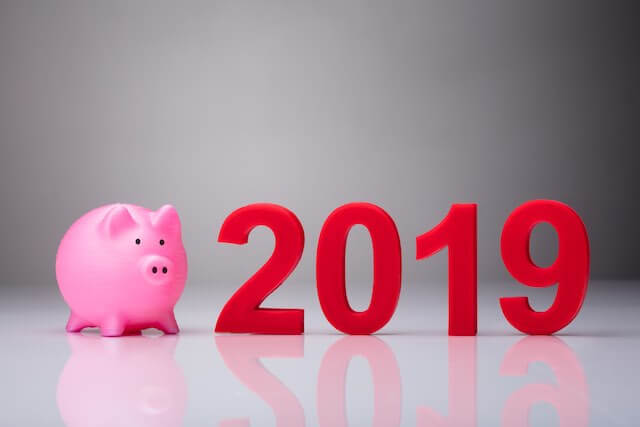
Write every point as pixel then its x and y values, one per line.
pixel 330 268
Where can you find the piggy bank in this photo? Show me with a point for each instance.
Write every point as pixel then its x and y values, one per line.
pixel 122 268
pixel 133 381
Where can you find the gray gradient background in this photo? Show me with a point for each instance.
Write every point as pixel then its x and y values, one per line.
pixel 410 105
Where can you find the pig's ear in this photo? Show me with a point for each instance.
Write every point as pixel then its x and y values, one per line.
pixel 117 220
pixel 166 218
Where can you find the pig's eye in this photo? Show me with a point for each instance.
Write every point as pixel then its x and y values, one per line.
pixel 161 242
pixel 137 241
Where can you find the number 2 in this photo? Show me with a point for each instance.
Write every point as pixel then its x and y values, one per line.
pixel 242 313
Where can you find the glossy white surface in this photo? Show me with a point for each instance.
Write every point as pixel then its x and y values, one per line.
pixel 411 374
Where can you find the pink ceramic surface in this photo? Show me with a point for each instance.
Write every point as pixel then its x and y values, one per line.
pixel 122 268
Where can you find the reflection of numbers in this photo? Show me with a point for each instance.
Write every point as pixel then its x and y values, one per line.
pixel 568 393
pixel 462 388
pixel 387 385
pixel 568 396
pixel 242 356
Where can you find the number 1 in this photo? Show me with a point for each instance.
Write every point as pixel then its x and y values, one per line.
pixel 458 232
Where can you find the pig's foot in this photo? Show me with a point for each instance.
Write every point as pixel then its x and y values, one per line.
pixel 113 327
pixel 168 325
pixel 76 324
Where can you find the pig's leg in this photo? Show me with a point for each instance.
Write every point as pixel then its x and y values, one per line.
pixel 76 324
pixel 168 324
pixel 113 326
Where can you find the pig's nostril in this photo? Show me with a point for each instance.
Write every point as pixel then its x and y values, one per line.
pixel 157 270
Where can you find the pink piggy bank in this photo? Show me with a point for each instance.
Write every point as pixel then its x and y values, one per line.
pixel 122 268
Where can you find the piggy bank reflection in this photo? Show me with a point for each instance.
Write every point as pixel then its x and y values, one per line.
pixel 132 381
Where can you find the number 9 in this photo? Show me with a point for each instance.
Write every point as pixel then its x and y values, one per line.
pixel 570 270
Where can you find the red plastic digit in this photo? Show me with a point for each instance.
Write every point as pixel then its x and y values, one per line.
pixel 330 268
pixel 570 270
pixel 332 376
pixel 242 354
pixel 568 394
pixel 242 313
pixel 458 232
pixel 462 388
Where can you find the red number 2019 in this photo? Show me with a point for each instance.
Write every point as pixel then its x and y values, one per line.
pixel 457 232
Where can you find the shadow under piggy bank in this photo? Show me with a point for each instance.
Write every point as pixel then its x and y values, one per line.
pixel 129 381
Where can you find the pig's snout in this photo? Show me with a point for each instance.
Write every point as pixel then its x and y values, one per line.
pixel 157 270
